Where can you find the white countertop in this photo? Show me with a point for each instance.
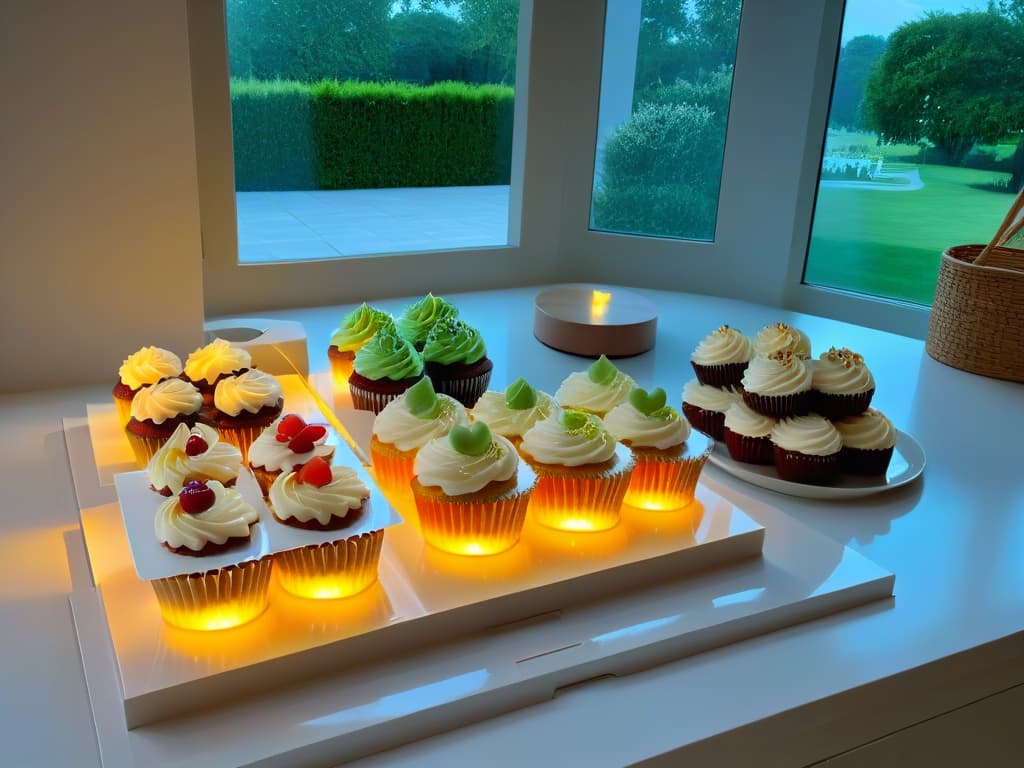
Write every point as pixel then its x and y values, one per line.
pixel 953 633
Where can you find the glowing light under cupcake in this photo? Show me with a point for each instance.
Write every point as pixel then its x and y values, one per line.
pixel 331 571
pixel 216 600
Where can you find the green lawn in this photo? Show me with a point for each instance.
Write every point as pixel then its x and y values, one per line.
pixel 889 242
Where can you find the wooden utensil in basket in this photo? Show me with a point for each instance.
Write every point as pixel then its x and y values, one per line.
pixel 977 319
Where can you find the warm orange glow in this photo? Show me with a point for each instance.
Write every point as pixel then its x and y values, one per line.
pixel 671 522
pixel 220 616
pixel 599 302
pixel 331 571
pixel 474 563
pixel 658 502
pixel 577 520
pixel 474 547
pixel 584 543
pixel 325 587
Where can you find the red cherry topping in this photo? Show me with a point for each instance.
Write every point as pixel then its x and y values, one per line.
pixel 196 497
pixel 306 439
pixel 195 445
pixel 289 427
pixel 316 472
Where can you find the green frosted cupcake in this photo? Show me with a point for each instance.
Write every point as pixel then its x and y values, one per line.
pixel 355 330
pixel 455 359
pixel 417 320
pixel 384 368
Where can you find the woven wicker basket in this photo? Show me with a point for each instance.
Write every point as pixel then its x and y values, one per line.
pixel 977 320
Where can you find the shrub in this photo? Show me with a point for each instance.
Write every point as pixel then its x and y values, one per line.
pixel 272 130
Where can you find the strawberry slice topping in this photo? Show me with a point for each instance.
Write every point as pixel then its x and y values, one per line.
pixel 306 439
pixel 289 427
pixel 196 497
pixel 316 472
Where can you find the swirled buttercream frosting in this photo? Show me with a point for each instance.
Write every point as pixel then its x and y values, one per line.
pixel 722 346
pixel 218 357
pixel 249 392
pixel 811 434
pixel 439 463
pixel 841 372
pixel 707 397
pixel 407 431
pixel 305 502
pixel 359 326
pixel 661 429
pixel 148 366
pixel 418 318
pixel 781 374
pixel 388 356
pixel 195 453
pixel 871 431
pixel 276 455
pixel 598 389
pixel 570 438
pixel 494 409
pixel 166 399
pixel 743 420
pixel 453 341
pixel 229 517
pixel 779 337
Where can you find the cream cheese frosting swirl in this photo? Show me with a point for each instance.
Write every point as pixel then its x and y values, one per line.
pixel 165 400
pixel 359 326
pixel 493 409
pixel 662 429
pixel 871 431
pixel 171 466
pixel 722 346
pixel 811 434
pixel 439 464
pixel 841 372
pixel 781 374
pixel 248 392
pixel 218 357
pixel 570 439
pixel 274 455
pixel 229 517
pixel 780 337
pixel 580 391
pixel 743 420
pixel 397 425
pixel 147 366
pixel 305 501
pixel 707 397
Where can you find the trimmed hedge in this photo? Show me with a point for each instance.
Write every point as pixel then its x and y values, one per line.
pixel 355 135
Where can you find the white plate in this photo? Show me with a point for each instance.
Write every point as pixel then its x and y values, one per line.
pixel 907 463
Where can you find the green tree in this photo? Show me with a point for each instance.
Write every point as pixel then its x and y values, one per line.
pixel 953 79
pixel 856 59
pixel 425 47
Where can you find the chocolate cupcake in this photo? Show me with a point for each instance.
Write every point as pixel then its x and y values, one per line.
pixel 142 368
pixel 748 435
pixel 245 405
pixel 807 449
pixel 868 443
pixel 157 411
pixel 721 357
pixel 383 369
pixel 705 407
pixel 455 359
pixel 217 360
pixel 353 333
pixel 417 320
pixel 841 384
pixel 778 386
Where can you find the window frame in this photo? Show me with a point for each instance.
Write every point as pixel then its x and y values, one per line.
pixel 786 56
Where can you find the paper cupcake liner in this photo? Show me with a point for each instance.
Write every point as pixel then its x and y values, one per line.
pixel 124 410
pixel 711 423
pixel 865 461
pixel 724 375
pixel 466 391
pixel 265 478
pixel 663 483
pixel 332 570
pixel 749 450
pixel 392 469
pixel 365 400
pixel 833 406
pixel 144 448
pixel 485 527
pixel 241 437
pixel 779 406
pixel 799 467
pixel 217 599
pixel 581 503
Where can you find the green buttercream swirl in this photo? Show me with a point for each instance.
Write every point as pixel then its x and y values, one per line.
pixel 359 326
pixel 417 319
pixel 454 341
pixel 388 356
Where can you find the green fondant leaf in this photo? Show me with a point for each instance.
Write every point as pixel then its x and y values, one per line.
pixel 602 371
pixel 473 440
pixel 421 400
pixel 520 395
pixel 573 419
pixel 647 402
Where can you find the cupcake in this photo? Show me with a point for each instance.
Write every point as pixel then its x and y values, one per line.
pixel 705 407
pixel 721 357
pixel 356 328
pixel 597 390
pixel 405 425
pixel 512 412
pixel 203 519
pixel 455 359
pixel 841 385
pixel 157 411
pixel 471 494
pixel 195 453
pixel 417 319
pixel 778 386
pixel 245 405
pixel 286 445
pixel 780 337
pixel 748 434
pixel 868 443
pixel 807 449
pixel 141 369
pixel 582 472
pixel 320 497
pixel 384 368
pixel 667 467
pixel 217 360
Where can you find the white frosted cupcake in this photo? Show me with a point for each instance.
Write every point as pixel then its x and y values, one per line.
pixel 245 405
pixel 748 434
pixel 807 449
pixel 512 412
pixel 195 453
pixel 284 446
pixel 778 386
pixel 213 362
pixel 721 357
pixel 779 337
pixel 142 368
pixel 597 390
pixel 868 443
pixel 705 407
pixel 157 411
pixel 841 384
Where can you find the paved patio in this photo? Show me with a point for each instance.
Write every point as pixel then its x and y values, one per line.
pixel 327 224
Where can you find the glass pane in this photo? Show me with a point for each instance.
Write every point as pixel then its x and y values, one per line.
pixel 924 142
pixel 371 126
pixel 665 87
